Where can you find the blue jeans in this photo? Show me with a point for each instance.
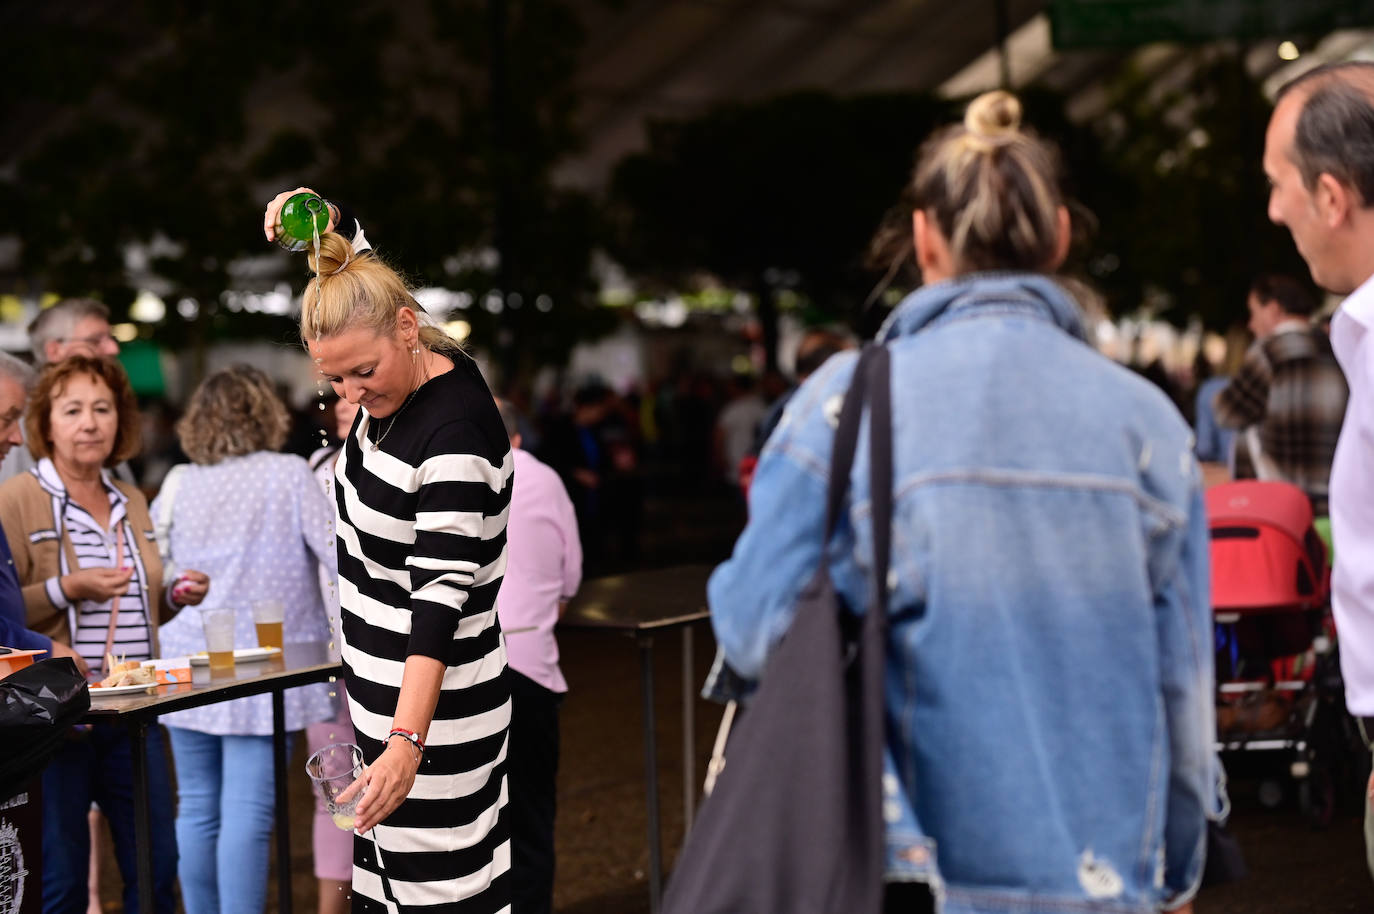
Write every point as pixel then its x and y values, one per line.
pixel 96 765
pixel 225 789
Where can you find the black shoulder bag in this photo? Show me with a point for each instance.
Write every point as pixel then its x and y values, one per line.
pixel 794 824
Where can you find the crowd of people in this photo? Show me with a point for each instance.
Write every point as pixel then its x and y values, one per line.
pixel 1050 716
pixel 97 575
pixel 1050 530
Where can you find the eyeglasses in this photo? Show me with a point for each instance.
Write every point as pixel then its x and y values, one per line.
pixel 95 342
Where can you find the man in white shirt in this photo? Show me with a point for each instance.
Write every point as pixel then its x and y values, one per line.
pixel 1319 157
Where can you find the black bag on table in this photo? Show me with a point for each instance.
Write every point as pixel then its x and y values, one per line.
pixel 794 824
pixel 37 705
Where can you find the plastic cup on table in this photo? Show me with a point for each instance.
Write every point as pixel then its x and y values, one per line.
pixel 268 616
pixel 219 638
pixel 332 770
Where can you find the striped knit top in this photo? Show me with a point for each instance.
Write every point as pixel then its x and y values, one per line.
pixel 422 519
pixel 98 547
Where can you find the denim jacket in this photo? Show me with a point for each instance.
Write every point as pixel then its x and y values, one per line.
pixel 1049 683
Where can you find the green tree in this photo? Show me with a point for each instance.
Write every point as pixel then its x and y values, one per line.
pixel 166 127
pixel 795 186
pixel 1179 191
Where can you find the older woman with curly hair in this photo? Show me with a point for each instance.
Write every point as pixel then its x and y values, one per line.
pixel 92 578
pixel 259 523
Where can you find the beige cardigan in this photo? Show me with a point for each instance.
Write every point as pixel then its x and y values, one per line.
pixel 26 511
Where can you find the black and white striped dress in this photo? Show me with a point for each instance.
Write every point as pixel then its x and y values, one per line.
pixel 422 549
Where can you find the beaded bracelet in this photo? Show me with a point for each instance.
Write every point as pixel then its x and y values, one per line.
pixel 411 737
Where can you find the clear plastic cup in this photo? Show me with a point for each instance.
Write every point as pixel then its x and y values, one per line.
pixel 268 616
pixel 332 770
pixel 219 637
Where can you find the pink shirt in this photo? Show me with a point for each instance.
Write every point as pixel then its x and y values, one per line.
pixel 543 567
pixel 1352 501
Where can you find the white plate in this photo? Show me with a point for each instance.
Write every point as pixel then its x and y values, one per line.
pixel 242 655
pixel 96 691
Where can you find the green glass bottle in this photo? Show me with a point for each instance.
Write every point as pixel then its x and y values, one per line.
pixel 302 217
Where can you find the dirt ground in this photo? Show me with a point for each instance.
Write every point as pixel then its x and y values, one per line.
pixel 602 848
pixel 603 856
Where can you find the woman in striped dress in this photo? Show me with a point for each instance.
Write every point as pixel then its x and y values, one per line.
pixel 423 486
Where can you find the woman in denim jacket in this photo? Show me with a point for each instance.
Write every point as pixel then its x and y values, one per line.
pixel 1050 720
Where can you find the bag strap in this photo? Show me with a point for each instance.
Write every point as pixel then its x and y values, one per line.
pixel 880 473
pixel 871 383
pixel 846 441
pixel 1265 467
pixel 162 521
pixel 868 650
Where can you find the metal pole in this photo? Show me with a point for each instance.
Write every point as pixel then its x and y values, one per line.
pixel 1003 28
pixel 279 761
pixel 689 767
pixel 646 669
pixel 143 827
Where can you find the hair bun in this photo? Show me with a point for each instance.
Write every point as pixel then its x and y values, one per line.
pixel 335 253
pixel 993 114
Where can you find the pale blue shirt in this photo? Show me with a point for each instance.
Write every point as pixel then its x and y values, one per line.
pixel 261 528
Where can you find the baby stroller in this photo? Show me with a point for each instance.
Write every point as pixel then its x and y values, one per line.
pixel 1279 689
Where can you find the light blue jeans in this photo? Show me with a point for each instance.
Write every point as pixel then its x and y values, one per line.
pixel 226 798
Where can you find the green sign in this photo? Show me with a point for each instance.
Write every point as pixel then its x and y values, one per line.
pixel 143 361
pixel 1077 24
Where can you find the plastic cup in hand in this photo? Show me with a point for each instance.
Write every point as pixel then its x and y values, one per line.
pixel 333 770
pixel 267 618
pixel 219 637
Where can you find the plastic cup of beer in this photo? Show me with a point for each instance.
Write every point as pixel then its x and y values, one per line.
pixel 332 770
pixel 267 618
pixel 219 638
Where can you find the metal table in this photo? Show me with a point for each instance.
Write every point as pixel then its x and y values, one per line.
pixel 643 604
pixel 298 664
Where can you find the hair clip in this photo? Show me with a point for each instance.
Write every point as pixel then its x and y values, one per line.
pixel 348 257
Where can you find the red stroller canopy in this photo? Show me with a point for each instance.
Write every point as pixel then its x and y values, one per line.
pixel 1265 554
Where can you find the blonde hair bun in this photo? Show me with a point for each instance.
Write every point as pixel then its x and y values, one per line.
pixel 335 253
pixel 993 114
pixel 357 289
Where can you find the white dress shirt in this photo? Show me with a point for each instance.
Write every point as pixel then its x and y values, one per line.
pixel 1352 501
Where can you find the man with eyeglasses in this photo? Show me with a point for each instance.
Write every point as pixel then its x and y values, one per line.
pixel 72 326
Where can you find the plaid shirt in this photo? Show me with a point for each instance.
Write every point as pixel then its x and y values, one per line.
pixel 1292 390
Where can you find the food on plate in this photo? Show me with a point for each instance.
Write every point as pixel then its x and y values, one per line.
pixel 126 673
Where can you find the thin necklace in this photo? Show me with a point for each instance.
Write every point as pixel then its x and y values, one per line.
pixel 396 415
